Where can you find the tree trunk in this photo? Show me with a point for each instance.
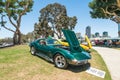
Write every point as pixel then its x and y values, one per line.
pixel 17 37
pixel 59 36
pixel 118 29
pixel 116 19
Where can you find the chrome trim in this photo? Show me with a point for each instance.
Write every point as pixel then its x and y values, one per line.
pixel 80 62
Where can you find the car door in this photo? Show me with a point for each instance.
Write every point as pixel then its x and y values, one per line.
pixel 44 49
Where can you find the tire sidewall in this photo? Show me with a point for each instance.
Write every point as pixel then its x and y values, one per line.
pixel 32 51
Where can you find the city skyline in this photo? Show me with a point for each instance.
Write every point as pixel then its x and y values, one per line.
pixel 96 34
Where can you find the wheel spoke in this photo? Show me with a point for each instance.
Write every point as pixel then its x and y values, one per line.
pixel 63 60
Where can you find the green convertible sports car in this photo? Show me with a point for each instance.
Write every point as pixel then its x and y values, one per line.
pixel 59 54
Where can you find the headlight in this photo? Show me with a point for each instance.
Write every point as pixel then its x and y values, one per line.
pixel 74 60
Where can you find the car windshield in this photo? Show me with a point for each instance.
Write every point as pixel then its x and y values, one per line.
pixel 52 41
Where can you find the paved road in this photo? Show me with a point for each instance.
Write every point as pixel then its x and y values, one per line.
pixel 112 60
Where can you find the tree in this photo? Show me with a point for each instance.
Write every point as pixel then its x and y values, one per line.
pixel 26 38
pixel 14 10
pixel 106 9
pixel 53 18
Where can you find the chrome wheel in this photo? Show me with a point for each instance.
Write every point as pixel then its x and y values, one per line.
pixel 60 61
pixel 32 50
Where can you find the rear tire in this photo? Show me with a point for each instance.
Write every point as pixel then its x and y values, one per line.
pixel 33 51
pixel 60 61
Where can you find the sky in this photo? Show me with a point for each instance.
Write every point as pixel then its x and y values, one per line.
pixel 78 8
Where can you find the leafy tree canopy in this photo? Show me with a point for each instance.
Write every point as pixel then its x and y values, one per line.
pixel 14 10
pixel 52 19
pixel 106 9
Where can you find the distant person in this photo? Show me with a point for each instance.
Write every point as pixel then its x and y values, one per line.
pixel 110 43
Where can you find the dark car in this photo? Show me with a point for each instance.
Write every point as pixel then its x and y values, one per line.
pixel 59 54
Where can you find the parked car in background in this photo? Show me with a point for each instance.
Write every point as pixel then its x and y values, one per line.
pixel 60 55
pixel 118 42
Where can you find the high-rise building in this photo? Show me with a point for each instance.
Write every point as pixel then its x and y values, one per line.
pixel 97 34
pixel 88 31
pixel 105 34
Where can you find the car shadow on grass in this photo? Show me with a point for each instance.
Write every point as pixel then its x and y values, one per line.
pixel 72 68
pixel 79 68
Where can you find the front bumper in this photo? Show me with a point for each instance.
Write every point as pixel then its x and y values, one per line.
pixel 76 62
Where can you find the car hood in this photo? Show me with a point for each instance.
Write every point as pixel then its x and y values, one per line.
pixel 82 55
pixel 72 40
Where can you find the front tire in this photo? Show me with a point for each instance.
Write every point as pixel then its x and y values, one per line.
pixel 33 51
pixel 60 61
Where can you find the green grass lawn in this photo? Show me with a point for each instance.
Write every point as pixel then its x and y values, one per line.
pixel 117 48
pixel 16 63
